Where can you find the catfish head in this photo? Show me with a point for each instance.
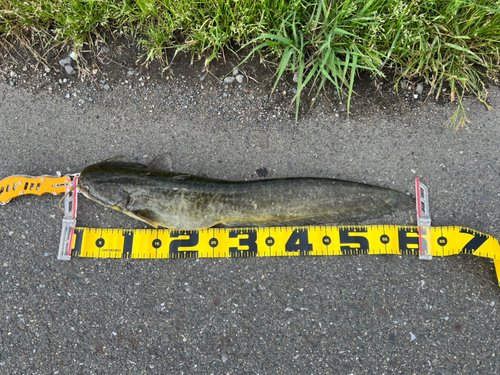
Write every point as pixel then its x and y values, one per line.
pixel 104 182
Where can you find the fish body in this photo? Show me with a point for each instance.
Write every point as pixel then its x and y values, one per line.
pixel 187 202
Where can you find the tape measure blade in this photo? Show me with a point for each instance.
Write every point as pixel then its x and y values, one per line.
pixel 497 269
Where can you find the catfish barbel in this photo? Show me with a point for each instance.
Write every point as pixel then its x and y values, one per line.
pixel 185 202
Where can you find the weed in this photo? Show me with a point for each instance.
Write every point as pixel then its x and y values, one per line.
pixel 321 41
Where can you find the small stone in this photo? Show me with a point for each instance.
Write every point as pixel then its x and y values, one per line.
pixel 296 77
pixel 68 96
pixel 73 55
pixel 224 95
pixel 65 61
pixel 64 80
pixel 94 71
pixel 47 69
pixel 69 69
pixel 12 83
pixel 412 336
pixel 415 96
pixel 288 309
pixel 420 88
pixel 240 78
pixel 25 68
pixel 229 79
pixel 105 87
pixel 336 115
pixel 224 359
pixel 189 355
pixel 105 49
pixel 235 71
pixel 13 74
pixel 131 72
pixel 202 78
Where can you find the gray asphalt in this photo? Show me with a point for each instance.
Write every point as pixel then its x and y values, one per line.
pixel 332 315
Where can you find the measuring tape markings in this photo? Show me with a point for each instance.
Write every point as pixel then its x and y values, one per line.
pixel 277 241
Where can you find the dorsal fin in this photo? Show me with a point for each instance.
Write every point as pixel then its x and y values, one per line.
pixel 162 162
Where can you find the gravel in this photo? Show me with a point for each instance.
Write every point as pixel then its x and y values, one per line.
pixel 65 61
pixel 69 69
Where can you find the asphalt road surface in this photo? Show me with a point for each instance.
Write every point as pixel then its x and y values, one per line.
pixel 304 315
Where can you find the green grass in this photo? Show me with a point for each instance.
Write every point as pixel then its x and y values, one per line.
pixel 453 42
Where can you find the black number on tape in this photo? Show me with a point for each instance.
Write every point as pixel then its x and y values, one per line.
pixel 127 244
pixel 475 243
pixel 346 238
pixel 189 242
pixel 250 242
pixel 408 237
pixel 299 241
pixel 76 251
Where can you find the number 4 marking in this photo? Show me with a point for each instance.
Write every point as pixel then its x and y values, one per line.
pixel 299 241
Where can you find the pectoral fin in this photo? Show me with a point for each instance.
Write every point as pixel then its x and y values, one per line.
pixel 138 216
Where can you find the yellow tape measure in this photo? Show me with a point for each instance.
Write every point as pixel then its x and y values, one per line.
pixel 277 241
